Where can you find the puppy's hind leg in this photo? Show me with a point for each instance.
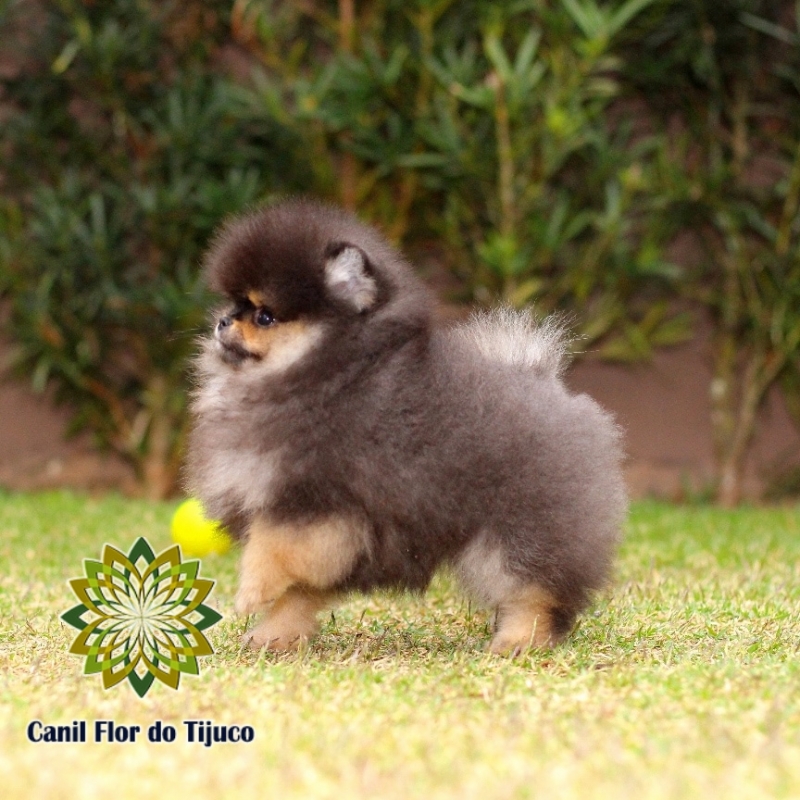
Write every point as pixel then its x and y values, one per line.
pixel 526 618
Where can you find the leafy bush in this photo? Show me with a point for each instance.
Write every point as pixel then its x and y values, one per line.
pixel 127 151
pixel 485 126
pixel 723 79
pixel 552 150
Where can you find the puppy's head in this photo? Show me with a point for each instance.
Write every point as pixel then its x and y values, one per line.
pixel 299 275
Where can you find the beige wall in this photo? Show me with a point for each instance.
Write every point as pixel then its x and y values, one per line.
pixel 34 451
pixel 662 406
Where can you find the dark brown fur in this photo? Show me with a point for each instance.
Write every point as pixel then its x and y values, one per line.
pixel 354 428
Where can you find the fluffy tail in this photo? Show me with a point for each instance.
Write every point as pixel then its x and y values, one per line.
pixel 516 337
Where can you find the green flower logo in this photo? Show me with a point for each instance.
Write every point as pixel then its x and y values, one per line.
pixel 141 617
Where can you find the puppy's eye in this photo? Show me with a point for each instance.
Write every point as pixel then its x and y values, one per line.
pixel 263 317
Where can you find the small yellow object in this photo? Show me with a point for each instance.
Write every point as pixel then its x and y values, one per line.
pixel 197 535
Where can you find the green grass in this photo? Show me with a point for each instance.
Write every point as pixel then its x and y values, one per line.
pixel 683 682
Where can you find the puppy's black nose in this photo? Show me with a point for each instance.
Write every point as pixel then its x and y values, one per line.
pixel 224 322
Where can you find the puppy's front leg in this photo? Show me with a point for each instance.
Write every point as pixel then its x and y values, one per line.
pixel 263 577
pixel 289 570
pixel 291 621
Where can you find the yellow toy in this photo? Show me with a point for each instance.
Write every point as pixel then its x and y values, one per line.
pixel 197 535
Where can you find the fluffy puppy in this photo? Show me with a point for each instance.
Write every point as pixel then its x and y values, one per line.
pixel 352 443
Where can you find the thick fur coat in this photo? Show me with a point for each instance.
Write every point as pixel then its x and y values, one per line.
pixel 353 443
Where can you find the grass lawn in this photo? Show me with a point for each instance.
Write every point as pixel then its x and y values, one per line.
pixel 683 682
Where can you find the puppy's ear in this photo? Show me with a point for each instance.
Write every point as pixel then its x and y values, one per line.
pixel 348 276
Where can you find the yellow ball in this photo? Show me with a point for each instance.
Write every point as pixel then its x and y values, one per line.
pixel 195 533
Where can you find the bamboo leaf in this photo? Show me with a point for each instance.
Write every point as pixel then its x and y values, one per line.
pixel 586 15
pixel 527 53
pixel 498 58
pixel 624 14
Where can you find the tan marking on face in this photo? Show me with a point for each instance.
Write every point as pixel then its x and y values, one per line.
pixel 258 299
pixel 524 621
pixel 278 345
pixel 261 341
pixel 276 558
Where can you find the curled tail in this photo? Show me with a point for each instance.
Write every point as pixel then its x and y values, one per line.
pixel 516 337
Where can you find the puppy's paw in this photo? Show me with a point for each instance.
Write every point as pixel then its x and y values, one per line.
pixel 512 646
pixel 275 635
pixel 504 646
pixel 290 622
pixel 524 622
pixel 258 639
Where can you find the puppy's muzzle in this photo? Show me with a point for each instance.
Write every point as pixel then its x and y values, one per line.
pixel 233 350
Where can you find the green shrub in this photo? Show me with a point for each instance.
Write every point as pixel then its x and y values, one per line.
pixel 723 80
pixel 485 126
pixel 552 149
pixel 127 150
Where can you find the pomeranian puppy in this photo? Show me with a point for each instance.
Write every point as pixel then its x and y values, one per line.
pixel 353 443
